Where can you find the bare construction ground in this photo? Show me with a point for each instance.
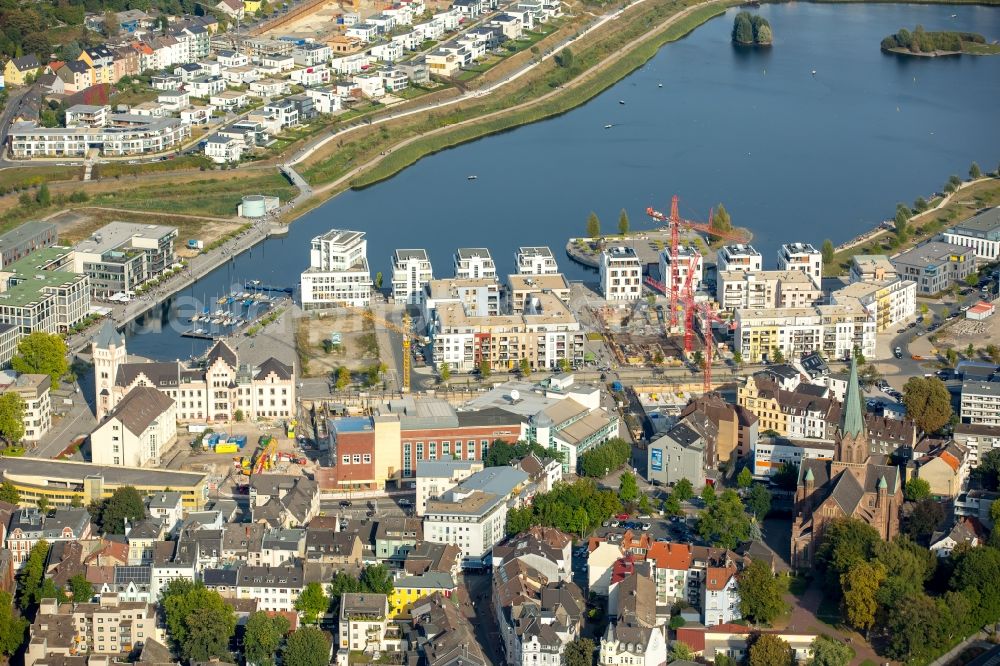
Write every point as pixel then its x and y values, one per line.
pixel 357 351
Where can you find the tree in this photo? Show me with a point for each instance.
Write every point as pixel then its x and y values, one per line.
pixel 927 402
pixel 828 251
pixel 860 585
pixel 80 588
pixel 672 506
pixel 681 651
pixel 239 415
pixel 125 504
pixel 742 29
pixel 524 367
pixel 745 478
pixel 445 372
pixel 262 638
pixel 579 652
pixel 917 489
pixel 307 646
pixel 41 353
pixel 9 494
pixel 312 603
pixel 758 501
pixel 951 357
pixel 12 626
pixel 628 489
pixel 565 58
pixel 623 223
pixel 111 25
pixel 923 520
pixel 209 632
pixel 32 574
pixel 777 356
pixel 993 352
pixel 738 358
pixel 378 280
pixel 683 490
pixel 198 620
pixel 43 504
pixel 846 541
pixel 760 594
pixel 12 407
pixel 764 35
pixel 725 523
pixel 975 172
pixel 970 351
pixel 830 652
pixel 903 215
pixel 484 369
pixel 564 365
pixel 708 494
pixel 920 204
pixel 377 579
pixel 593 226
pixel 343 378
pixel 988 470
pixel 769 650
pixel 44 197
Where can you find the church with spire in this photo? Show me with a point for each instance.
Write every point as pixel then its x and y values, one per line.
pixel 856 483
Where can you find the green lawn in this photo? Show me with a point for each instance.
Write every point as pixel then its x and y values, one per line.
pixel 20 178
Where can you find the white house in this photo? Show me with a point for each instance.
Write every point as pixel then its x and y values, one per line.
pixel 224 149
pixel 137 431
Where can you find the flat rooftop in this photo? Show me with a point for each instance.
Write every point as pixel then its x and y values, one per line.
pixel 981 223
pixel 540 251
pixel 42 471
pixel 25 232
pixel 410 254
pixel 340 236
pixel 798 248
pixel 115 235
pixel 477 503
pixel 740 249
pixel 931 254
pixel 473 253
pixel 552 282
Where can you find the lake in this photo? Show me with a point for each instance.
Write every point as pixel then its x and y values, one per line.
pixel 792 155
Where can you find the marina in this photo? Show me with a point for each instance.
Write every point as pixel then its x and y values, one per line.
pixel 235 312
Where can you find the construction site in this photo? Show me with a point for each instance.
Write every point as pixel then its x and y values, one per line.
pixel 674 325
pixel 325 20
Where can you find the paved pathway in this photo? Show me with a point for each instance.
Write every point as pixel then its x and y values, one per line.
pixel 804 618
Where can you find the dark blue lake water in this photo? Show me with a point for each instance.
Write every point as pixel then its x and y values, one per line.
pixel 794 156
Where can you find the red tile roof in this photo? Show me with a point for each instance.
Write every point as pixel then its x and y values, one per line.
pixel 716 578
pixel 676 556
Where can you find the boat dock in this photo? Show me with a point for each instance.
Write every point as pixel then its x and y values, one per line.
pixel 257 286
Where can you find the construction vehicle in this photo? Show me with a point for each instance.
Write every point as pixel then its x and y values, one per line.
pixel 265 456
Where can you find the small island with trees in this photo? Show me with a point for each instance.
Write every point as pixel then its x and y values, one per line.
pixel 929 44
pixel 751 30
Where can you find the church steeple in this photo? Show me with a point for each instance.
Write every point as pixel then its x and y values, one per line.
pixel 853 422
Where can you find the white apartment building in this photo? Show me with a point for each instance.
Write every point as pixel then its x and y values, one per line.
pixel 224 149
pixel 338 272
pixel 436 477
pixel 833 330
pixel 980 404
pixel 544 333
pixel 739 257
pixel 621 274
pixel 536 261
pixel 111 626
pixel 978 440
pixel 687 255
pixel 363 625
pixel 126 135
pixel 274 588
pixel 136 433
pixel 766 289
pixel 311 54
pixel 34 390
pixel 478 297
pixel 888 302
pixel 801 257
pixel 980 232
pixel 474 263
pixel 769 454
pixel 411 273
pixel 473 520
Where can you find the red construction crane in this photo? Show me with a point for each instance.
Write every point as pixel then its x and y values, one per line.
pixel 689 305
pixel 676 222
pixel 708 317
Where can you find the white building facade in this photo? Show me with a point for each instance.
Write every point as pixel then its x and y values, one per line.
pixel 338 272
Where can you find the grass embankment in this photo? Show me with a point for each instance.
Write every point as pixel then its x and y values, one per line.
pixel 217 198
pixel 14 179
pixel 554 77
pixel 964 204
pixel 119 168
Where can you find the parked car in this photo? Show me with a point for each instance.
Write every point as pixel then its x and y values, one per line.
pixel 898 353
pixel 622 516
pixel 345 504
pixel 646 526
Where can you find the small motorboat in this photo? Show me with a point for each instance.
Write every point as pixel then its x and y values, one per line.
pixel 608 126
pixel 814 72
pixel 621 101
pixel 659 85
pixel 471 177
